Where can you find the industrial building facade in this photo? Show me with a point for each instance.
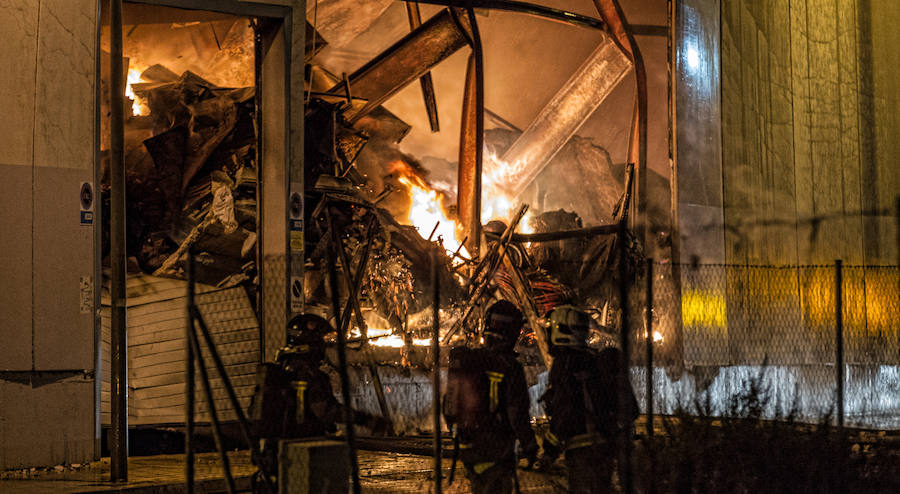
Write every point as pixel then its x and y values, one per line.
pixel 773 134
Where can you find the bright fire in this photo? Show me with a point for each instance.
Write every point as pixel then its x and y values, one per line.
pixel 428 208
pixel 387 338
pixel 393 340
pixel 139 106
pixel 495 203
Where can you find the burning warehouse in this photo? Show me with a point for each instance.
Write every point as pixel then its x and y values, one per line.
pixel 397 167
pixel 195 185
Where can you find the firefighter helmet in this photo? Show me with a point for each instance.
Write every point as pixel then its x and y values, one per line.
pixel 496 227
pixel 306 337
pixel 569 327
pixel 503 322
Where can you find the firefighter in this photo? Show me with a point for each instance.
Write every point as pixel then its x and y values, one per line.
pixel 293 397
pixel 581 402
pixel 487 404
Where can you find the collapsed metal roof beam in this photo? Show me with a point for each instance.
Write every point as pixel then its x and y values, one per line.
pixel 407 60
pixel 558 121
pixel 415 20
pixel 614 16
pixel 541 11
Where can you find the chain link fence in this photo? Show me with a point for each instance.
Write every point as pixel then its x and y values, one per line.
pixel 740 369
pixel 785 327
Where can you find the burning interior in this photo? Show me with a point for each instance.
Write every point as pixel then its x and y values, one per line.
pixel 192 156
pixel 194 163
pixel 493 210
pixel 190 142
pixel 527 215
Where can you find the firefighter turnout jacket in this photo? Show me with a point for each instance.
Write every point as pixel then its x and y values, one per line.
pixel 582 398
pixel 295 403
pixel 487 403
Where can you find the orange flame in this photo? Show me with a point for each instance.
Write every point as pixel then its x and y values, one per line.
pixel 139 107
pixel 427 208
pixel 428 205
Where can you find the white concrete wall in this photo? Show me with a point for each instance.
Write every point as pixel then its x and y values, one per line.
pixel 47 88
pixel 47 144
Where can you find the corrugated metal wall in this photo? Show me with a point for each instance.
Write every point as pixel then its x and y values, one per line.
pixel 810 130
pixel 810 147
pixel 156 349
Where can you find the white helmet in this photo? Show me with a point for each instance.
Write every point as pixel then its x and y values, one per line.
pixel 569 327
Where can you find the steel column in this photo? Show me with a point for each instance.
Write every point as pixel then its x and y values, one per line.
pixel 118 342
pixel 468 192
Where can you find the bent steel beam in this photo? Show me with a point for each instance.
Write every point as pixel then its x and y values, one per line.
pixel 415 20
pixel 614 16
pixel 407 60
pixel 468 189
pixel 471 145
pixel 541 11
pixel 558 121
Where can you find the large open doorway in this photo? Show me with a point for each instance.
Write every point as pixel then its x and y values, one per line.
pixel 206 117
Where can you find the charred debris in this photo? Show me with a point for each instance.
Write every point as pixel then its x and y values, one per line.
pixel 191 173
pixel 192 170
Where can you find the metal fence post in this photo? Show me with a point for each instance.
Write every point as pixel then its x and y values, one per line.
pixel 436 372
pixel 649 382
pixel 189 378
pixel 342 354
pixel 624 398
pixel 118 341
pixel 839 341
pixel 649 326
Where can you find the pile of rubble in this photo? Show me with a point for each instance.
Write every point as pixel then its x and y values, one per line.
pixel 351 146
pixel 191 173
pixel 191 178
